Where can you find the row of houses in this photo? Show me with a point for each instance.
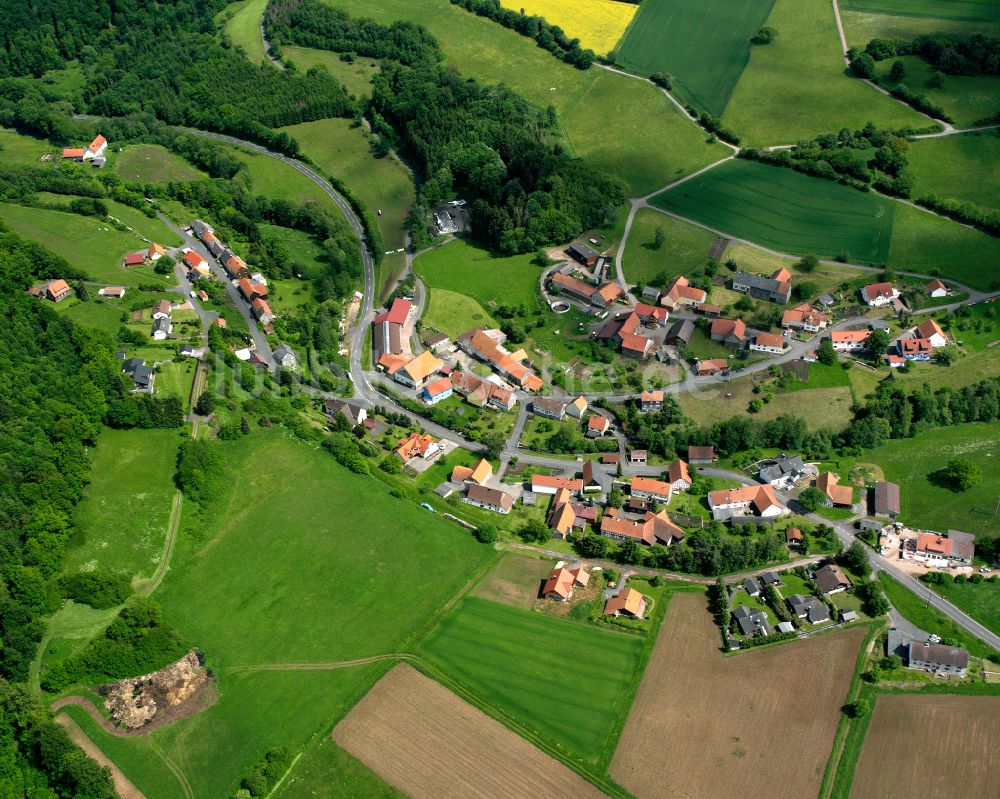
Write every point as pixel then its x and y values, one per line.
pixel 603 295
pixel 487 346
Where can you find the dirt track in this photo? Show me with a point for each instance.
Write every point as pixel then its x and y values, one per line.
pixel 430 744
pixel 124 787
pixel 757 724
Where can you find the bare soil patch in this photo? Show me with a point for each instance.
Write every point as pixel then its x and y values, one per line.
pixel 515 581
pixel 757 724
pixel 123 786
pixel 428 743
pixel 959 756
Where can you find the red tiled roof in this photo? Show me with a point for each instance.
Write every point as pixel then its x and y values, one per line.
pixel 397 312
pixel 134 258
pixel 729 327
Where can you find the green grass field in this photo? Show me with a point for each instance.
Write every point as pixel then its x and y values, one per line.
pixel 87 243
pixel 454 313
pixel 969 99
pixel 942 9
pixel 820 407
pixel 796 87
pixel 685 250
pixel 381 183
pixel 15 148
pixel 982 601
pixel 786 210
pixel 148 227
pixel 704 45
pixel 961 167
pixel 517 661
pixel 272 178
pixel 356 76
pixel 619 125
pixel 326 770
pixel 104 314
pixel 241 23
pixel 175 378
pixel 861 27
pixel 122 525
pixel 151 163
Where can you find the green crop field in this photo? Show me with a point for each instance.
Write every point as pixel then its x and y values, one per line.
pixel 796 87
pixel 380 183
pixel 87 243
pixel 15 148
pixel 941 9
pixel 686 248
pixel 516 660
pixel 619 125
pixel 356 75
pixel 962 167
pixel 454 313
pixel 151 163
pixel 970 100
pixel 786 210
pixel 241 23
pixel 705 45
pixel 122 524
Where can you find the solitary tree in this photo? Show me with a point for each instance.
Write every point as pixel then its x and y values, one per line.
pixel 962 474
pixel 659 239
pixel 898 71
pixel 807 263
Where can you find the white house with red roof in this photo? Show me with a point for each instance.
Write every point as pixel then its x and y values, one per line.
pixel 876 295
pixel 930 330
pixel 936 289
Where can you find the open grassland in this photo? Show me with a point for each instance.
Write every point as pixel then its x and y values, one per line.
pixel 122 524
pixel 796 87
pixel 146 226
pixel 514 581
pixel 514 659
pixel 463 267
pixel 969 99
pixel 860 27
pixel 786 210
pixel 380 183
pixel 271 178
pixel 241 23
pixel 338 551
pixel 979 10
pixel 724 739
pixel 922 242
pixel 103 314
pixel 429 743
pixel 962 167
pixel 964 760
pixel 820 407
pixel 686 248
pixel 619 125
pixel 15 148
pixel 598 24
pixel 705 45
pixel 453 313
pixel 981 601
pixel 326 770
pixel 356 75
pixel 151 163
pixel 89 244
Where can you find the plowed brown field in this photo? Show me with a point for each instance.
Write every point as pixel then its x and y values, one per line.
pixel 430 744
pixel 957 738
pixel 758 724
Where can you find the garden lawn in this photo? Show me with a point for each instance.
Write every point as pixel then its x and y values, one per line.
pixel 686 248
pixel 598 24
pixel 755 603
pixel 151 163
pixel 820 376
pixel 174 377
pixel 356 75
pixel 241 23
pixel 961 167
pixel 89 244
pixel 122 524
pixel 380 183
pixel 705 45
pixel 786 210
pixel 791 583
pixel 296 573
pixel 15 148
pixel 942 9
pixel 915 609
pixel 515 660
pixel 453 313
pixel 796 87
pixel 466 268
pixel 922 241
pixel 982 601
pixel 619 125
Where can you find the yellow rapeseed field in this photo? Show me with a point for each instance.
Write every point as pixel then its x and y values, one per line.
pixel 598 24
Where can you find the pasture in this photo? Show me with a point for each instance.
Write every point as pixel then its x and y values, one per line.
pixel 963 761
pixel 453 313
pixel 860 27
pixel 685 250
pixel 356 76
pixel 380 183
pixel 598 24
pixel 978 10
pixel 786 210
pixel 960 167
pixel 146 226
pixel 104 314
pixel 796 87
pixel 241 23
pixel 15 148
pixel 820 406
pixel 649 142
pixel 970 99
pixel 704 45
pixel 151 163
pixel 87 243
pixel 422 738
pixel 514 660
pixel 724 739
pixel 982 601
pixel 122 524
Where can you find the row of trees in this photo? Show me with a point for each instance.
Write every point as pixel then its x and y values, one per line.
pixel 955 55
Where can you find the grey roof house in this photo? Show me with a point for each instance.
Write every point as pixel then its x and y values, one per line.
pixel 808 608
pixel 783 470
pixel 751 622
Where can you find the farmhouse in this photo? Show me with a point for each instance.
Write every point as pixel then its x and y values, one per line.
pixel 436 391
pixel 751 622
pixel 417 445
pixel 875 295
pixel 622 331
pixel 680 332
pixel 597 426
pixel 652 528
pixel 601 296
pixel 681 293
pixel 155 252
pixel 679 476
pixel 785 471
pixel 354 414
pixel 776 288
pixel 55 290
pixel 831 580
pixel 477 474
pixel 195 263
pixel 583 253
pixel 487 346
pixel 937 658
pixel 650 401
pixel 760 501
pixel 768 342
pixel 956 549
pixel 849 340
pixel 936 289
pixel 115 292
pixel 387 328
pixel 649 488
pixel 563 579
pixel 809 608
pixel 628 603
pixel 482 393
pixel 651 293
pixel 416 371
pixel 548 484
pixel 549 408
pixel 590 483
pixel 841 496
pixel 932 332
pixel 885 499
pixel 713 366
pixel 562 518
pixel 731 332
pixel 705 309
pixel 437 343
pixel 702 455
pixel 578 407
pixel 215 247
pixel 651 315
pixel 252 291
pixel 235 266
pixel 804 317
pixel 489 498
